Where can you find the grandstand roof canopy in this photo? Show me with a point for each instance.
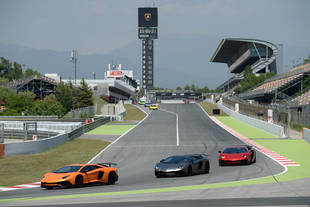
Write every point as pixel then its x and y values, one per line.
pixel 230 46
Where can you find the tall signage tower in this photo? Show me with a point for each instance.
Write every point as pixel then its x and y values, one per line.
pixel 147 31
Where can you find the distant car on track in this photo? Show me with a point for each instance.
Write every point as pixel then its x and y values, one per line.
pixel 181 165
pixel 147 104
pixel 80 174
pixel 237 155
pixel 141 102
pixel 154 106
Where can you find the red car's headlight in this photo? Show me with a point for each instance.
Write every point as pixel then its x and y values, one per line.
pixel 222 157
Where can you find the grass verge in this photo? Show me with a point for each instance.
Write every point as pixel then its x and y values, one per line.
pixel 296 150
pixel 111 129
pixel 30 168
pixel 133 113
pixel 208 107
pixel 244 129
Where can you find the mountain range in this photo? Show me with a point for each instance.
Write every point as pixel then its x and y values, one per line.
pixel 178 61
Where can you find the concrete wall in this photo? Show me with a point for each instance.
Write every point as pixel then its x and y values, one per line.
pixel 268 127
pixel 307 135
pixel 33 147
pixel 176 101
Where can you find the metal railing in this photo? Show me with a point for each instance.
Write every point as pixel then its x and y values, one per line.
pixel 299 114
pixel 30 118
pixel 43 125
pixel 84 112
pixel 20 134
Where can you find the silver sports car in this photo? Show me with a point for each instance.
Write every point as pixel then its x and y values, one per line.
pixel 181 165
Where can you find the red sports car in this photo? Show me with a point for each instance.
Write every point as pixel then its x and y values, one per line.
pixel 237 155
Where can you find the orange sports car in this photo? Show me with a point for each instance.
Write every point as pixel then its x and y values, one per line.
pixel 80 174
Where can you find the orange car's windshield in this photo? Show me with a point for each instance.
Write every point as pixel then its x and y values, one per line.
pixel 68 169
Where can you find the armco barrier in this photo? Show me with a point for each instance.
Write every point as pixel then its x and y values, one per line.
pixel 307 135
pixel 268 127
pixel 33 147
pixel 10 133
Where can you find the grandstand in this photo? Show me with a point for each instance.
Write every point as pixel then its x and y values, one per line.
pixel 282 86
pixel 238 53
pixel 117 85
pixel 302 100
pixel 40 86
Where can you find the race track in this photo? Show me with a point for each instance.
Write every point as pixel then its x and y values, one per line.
pixel 158 137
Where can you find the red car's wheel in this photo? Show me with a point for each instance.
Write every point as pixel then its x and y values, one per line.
pixel 221 163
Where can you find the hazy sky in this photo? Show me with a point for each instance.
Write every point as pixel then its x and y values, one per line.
pixel 100 26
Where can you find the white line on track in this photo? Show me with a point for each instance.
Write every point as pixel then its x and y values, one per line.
pixel 147 115
pixel 137 146
pixel 177 124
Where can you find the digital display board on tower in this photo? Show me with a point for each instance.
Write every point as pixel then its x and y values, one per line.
pixel 147 31
pixel 147 17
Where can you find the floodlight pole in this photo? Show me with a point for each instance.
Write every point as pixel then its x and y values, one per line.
pixel 74 60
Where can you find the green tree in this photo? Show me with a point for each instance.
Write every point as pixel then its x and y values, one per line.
pixel 306 83
pixel 187 88
pixel 48 106
pixel 15 73
pixel 141 93
pixel 21 102
pixel 5 67
pixel 29 72
pixel 205 89
pixel 64 95
pixel 6 92
pixel 251 80
pixel 178 88
pixel 193 87
pixel 82 95
pixel 3 81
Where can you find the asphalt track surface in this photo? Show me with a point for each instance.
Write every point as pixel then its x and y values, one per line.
pixel 156 138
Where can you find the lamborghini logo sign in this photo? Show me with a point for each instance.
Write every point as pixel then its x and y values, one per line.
pixel 147 16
